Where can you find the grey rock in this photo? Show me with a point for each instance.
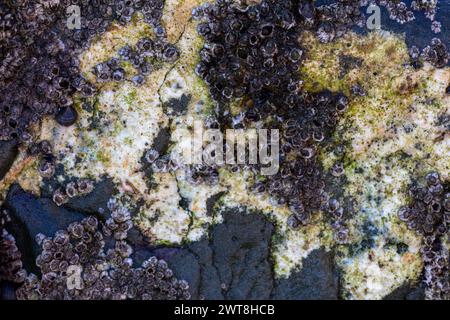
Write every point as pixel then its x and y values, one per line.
pixel 241 253
pixel 234 263
pixel 316 280
pixel 8 290
pixel 407 291
pixel 94 201
pixel 8 153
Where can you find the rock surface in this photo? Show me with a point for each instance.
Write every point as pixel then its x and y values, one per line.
pixel 235 263
pixel 94 202
pixel 8 153
pixel 317 280
pixel 407 292
pixel 30 216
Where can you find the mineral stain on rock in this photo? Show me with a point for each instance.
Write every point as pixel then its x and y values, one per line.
pixel 177 107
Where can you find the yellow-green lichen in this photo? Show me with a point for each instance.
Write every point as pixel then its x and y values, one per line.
pixel 388 136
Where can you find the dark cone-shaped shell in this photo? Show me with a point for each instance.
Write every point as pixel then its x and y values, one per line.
pixel 66 116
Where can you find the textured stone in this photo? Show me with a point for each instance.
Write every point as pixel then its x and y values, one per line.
pixel 407 291
pixel 8 153
pixel 97 199
pixel 30 216
pixel 234 263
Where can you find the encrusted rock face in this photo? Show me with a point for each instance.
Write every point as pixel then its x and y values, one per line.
pixel 235 263
pixel 8 153
pixel 76 265
pixel 317 280
pixel 429 215
pixel 98 202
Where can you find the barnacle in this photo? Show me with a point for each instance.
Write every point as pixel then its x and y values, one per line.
pixel 428 215
pixel 76 265
pixel 143 57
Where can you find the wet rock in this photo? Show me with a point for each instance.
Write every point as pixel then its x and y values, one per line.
pixel 8 153
pixel 407 291
pixel 177 106
pixel 241 255
pixel 30 216
pixel 95 202
pixel 188 266
pixel 317 280
pixel 7 290
pixel 209 286
pixel 234 263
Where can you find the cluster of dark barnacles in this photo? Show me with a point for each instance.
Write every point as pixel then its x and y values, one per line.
pixel 398 11
pixel 39 67
pixel 142 58
pixel 72 189
pixel 93 261
pixel 428 214
pixel 252 54
pixel 436 54
pixel 249 48
pixel 46 168
pixel 299 183
pixel 335 19
pixel 427 6
pixel 11 268
pixel 44 151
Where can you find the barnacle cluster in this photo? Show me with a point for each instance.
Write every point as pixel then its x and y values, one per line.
pixel 39 67
pixel 249 48
pixel 44 151
pixel 11 268
pixel 88 261
pixel 436 53
pixel 337 18
pixel 143 58
pixel 398 11
pixel 73 189
pixel 252 53
pixel 428 214
pixel 427 6
pixel 300 182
